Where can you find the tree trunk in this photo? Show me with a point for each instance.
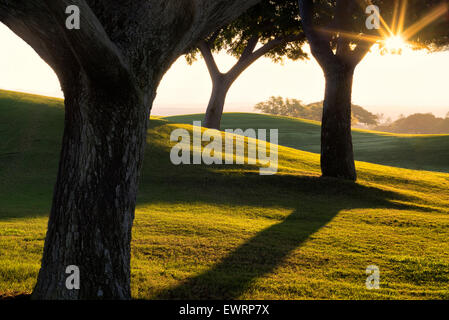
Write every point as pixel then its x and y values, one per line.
pixel 217 100
pixel 109 70
pixel 337 156
pixel 95 193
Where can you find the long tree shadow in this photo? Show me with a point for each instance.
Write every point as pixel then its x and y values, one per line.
pixel 317 202
pixel 261 254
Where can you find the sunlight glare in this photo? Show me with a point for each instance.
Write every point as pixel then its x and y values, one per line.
pixel 394 44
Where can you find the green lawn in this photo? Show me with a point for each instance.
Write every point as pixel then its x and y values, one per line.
pixel 227 232
pixel 420 152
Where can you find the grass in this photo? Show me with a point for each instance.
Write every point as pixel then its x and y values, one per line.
pixel 419 152
pixel 226 232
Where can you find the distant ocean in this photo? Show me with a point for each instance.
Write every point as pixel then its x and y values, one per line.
pixel 174 110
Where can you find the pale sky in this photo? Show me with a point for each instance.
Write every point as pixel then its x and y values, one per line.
pixel 391 84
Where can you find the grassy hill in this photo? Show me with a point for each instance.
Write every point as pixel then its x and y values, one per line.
pixel 418 123
pixel 227 232
pixel 419 152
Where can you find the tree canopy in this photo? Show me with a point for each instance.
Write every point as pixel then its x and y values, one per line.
pixel 264 23
pixel 271 29
pixel 340 23
pixel 340 34
pixel 313 111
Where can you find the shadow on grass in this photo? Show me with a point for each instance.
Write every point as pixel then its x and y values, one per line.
pixel 31 130
pixel 18 298
pixel 314 202
pixel 319 200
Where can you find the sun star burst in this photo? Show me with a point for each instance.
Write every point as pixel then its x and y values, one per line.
pixel 394 44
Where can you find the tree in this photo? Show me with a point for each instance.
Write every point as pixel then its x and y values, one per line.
pixel 283 107
pixel 273 23
pixel 109 70
pixel 312 111
pixel 364 116
pixel 338 34
pixel 418 123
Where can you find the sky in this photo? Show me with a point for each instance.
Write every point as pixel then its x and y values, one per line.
pixel 415 81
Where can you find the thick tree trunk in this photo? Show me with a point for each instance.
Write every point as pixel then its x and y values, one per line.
pixel 121 51
pixel 337 156
pixel 95 193
pixel 214 112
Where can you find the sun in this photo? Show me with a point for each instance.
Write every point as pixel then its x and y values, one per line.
pixel 394 44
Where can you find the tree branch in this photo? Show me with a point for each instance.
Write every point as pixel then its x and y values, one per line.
pixel 245 62
pixel 146 28
pixel 342 19
pixel 360 52
pixel 209 58
pixel 252 43
pixel 320 48
pixel 32 22
pixel 208 16
pixel 96 53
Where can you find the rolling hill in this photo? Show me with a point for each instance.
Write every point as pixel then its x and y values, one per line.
pixel 419 152
pixel 226 232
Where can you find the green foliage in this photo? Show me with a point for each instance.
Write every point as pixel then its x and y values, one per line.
pixel 269 20
pixel 314 111
pixel 418 123
pixel 364 116
pixel 434 34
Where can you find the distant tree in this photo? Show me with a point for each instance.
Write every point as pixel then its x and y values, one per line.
pixel 272 24
pixel 282 107
pixel 313 111
pixel 364 116
pixel 383 119
pixel 447 115
pixel 418 123
pixel 339 39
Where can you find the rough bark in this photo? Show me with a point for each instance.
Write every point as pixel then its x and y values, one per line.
pixel 337 156
pixel 109 72
pixel 95 194
pixel 214 111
